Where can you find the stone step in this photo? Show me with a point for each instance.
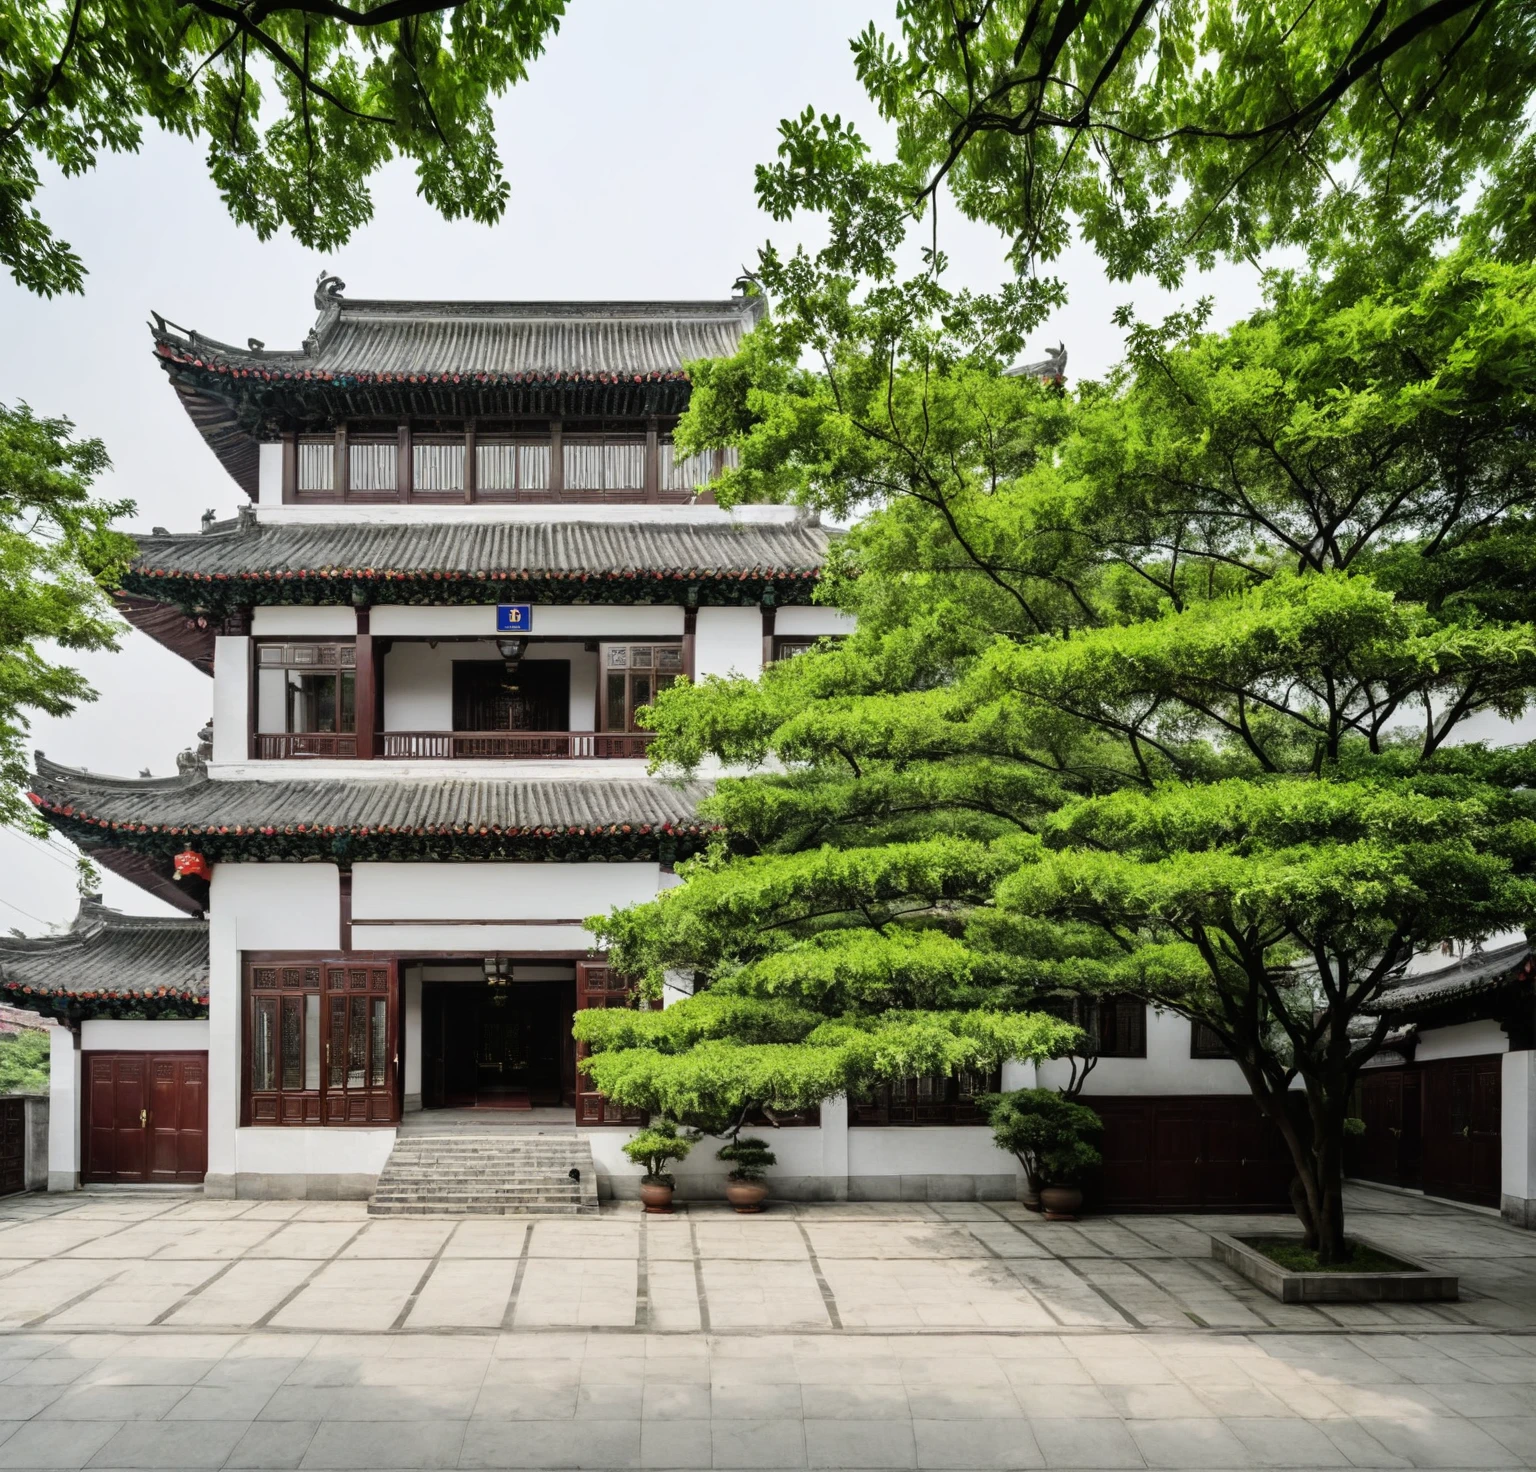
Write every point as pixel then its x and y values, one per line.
pixel 486 1175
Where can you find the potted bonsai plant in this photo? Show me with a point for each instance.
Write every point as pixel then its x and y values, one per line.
pixel 655 1148
pixel 1049 1135
pixel 745 1186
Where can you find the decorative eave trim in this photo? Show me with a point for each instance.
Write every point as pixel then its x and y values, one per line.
pixel 329 842
pixel 71 1007
pixel 178 356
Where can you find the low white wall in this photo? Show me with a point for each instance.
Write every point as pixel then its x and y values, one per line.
pixel 941 1150
pixel 1464 1040
pixel 337 622
pixel 231 698
pixel 498 891
pixel 1517 1137
pixel 172 1035
pixel 570 620
pixel 296 1163
pixel 729 641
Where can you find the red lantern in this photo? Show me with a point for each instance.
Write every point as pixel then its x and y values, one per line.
pixel 189 861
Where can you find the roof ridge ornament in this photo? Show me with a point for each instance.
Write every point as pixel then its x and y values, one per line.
pixel 328 290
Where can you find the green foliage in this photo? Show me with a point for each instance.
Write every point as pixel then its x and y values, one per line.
pixel 1157 684
pixel 24 1062
pixel 58 559
pixel 1049 1134
pixel 749 1158
pixel 1173 133
pixel 299 105
pixel 656 1147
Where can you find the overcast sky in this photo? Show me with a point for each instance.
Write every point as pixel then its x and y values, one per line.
pixel 630 154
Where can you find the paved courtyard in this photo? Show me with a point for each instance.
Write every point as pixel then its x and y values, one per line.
pixel 151 1331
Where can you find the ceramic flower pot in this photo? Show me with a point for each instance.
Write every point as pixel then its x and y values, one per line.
pixel 746 1195
pixel 1061 1203
pixel 656 1196
pixel 1029 1196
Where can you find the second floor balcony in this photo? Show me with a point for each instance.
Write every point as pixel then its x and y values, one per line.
pixel 513 699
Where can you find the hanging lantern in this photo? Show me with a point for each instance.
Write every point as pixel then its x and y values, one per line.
pixel 189 861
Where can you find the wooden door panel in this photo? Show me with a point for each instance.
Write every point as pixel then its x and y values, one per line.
pixel 13 1146
pixel 1461 1128
pixel 146 1117
pixel 598 985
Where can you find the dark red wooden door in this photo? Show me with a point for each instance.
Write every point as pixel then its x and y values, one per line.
pixel 1387 1103
pixel 146 1117
pixel 13 1146
pixel 1461 1127
pixel 598 985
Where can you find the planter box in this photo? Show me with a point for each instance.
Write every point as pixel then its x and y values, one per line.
pixel 1422 1284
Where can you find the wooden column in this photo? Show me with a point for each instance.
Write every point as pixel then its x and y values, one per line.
pixel 345 897
pixel 341 468
pixel 652 461
pixel 252 695
pixel 770 620
pixel 556 458
pixel 690 640
pixel 471 470
pixel 405 465
pixel 290 468
pixel 365 691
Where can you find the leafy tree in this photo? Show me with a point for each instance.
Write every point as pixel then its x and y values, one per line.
pixel 24 1062
pixel 58 558
pixel 1167 130
pixel 1156 685
pixel 1048 1133
pixel 300 102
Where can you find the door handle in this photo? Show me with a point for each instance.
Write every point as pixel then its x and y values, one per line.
pixel 1466 1132
pixel 143 1116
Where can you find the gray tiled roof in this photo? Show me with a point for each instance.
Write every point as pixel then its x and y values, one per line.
pixel 193 803
pixel 1482 971
pixel 520 549
pixel 105 950
pixel 541 339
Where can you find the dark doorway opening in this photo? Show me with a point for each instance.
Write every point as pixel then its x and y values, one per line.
pixel 490 695
pixel 503 1045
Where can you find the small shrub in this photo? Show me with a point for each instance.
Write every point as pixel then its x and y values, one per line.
pixel 1046 1132
pixel 656 1147
pixel 749 1158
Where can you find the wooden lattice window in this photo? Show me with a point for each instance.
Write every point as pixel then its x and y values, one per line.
pixel 321 1043
pixel 599 985
pixel 1116 1025
pixel 1206 1042
pixel 633 676
pixel 926 1099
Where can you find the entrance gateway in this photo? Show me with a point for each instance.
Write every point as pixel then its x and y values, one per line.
pixel 343 1041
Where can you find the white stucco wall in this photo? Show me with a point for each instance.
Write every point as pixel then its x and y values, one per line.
pixel 231 696
pixel 1517 1135
pixel 63 1110
pixel 571 620
pixel 729 642
pixel 497 891
pixel 302 1152
pixel 1167 1068
pixel 938 1150
pixel 173 1035
pixel 1464 1040
pixel 802 622
pixel 318 622
pixel 269 473
pixel 418 681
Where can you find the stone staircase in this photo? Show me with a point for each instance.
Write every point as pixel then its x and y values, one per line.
pixel 505 1173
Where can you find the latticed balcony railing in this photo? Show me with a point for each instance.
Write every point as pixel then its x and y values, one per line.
pixel 460 745
pixel 520 745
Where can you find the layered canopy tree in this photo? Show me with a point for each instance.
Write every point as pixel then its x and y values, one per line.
pixel 1157 685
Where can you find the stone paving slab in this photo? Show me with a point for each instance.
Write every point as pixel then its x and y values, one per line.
pixel 170 1331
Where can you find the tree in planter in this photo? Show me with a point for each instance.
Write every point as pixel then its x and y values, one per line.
pixel 656 1147
pixel 1180 657
pixel 1046 1132
pixel 749 1159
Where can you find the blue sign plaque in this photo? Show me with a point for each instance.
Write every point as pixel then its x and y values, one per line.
pixel 514 618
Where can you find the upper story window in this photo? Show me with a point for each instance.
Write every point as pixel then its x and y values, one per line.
pixel 306 699
pixel 633 675
pixel 373 465
pixel 503 465
pixel 437 463
pixel 317 463
pixel 1116 1025
pixel 604 463
pixel 1206 1042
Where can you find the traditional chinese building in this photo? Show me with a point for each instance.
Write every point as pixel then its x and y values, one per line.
pixel 470 554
